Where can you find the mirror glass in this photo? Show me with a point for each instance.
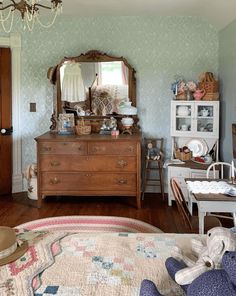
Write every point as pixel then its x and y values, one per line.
pixel 93 83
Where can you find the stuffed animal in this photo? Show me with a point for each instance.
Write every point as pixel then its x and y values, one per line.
pixel 30 174
pixel 148 288
pixel 152 152
pixel 217 282
pixel 218 241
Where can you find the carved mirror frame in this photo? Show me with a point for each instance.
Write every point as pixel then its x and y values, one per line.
pixel 90 56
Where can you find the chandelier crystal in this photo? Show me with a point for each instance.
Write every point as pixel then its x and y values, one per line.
pixel 29 11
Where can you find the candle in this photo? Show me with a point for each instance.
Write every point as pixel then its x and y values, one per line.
pixel 233 173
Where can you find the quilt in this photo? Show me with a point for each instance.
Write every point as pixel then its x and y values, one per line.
pixel 107 264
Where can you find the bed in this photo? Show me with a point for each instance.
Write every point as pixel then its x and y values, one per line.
pixel 61 263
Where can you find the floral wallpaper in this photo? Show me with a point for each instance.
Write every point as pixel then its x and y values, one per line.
pixel 157 47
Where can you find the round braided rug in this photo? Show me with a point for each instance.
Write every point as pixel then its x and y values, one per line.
pixel 90 224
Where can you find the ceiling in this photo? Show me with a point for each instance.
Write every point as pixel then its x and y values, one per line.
pixel 218 12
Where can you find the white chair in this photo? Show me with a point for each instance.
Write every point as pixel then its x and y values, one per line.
pixel 225 172
pixel 219 166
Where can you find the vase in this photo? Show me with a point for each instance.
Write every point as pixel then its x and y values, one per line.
pixel 189 95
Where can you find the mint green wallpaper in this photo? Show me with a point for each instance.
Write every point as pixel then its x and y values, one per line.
pixel 227 66
pixel 157 47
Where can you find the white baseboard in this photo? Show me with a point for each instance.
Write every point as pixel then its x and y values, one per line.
pixel 17 183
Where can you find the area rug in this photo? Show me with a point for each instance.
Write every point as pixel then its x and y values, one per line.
pixel 90 224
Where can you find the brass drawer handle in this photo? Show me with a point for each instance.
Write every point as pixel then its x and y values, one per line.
pixel 88 175
pixel 95 149
pixel 122 163
pixel 55 163
pixel 122 181
pixel 131 148
pixel 54 181
pixel 46 148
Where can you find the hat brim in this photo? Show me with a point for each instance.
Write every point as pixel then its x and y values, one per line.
pixel 17 254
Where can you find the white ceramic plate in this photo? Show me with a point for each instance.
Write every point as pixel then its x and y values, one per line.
pixel 198 147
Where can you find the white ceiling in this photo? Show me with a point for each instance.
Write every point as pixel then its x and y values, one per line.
pixel 218 12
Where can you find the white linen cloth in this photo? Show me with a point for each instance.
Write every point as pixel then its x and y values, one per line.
pixel 206 187
pixel 73 89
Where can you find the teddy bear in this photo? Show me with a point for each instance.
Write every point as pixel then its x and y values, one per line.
pixel 218 251
pixel 153 152
pixel 217 282
pixel 218 240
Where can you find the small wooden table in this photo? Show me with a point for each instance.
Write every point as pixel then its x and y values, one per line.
pixel 212 202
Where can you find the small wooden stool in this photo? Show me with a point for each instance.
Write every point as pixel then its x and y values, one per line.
pixel 153 165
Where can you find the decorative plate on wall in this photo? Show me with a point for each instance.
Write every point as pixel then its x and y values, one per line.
pixel 198 147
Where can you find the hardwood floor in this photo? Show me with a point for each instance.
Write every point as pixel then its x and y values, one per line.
pixel 18 209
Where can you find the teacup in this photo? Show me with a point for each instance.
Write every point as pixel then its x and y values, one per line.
pixel 184 127
pixel 205 112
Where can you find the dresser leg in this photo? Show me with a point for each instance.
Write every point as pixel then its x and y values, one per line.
pixel 138 200
pixel 39 202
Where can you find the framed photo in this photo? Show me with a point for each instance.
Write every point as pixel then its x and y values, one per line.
pixel 66 122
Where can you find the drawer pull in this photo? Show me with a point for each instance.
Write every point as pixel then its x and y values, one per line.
pixel 46 148
pixel 88 175
pixel 122 163
pixel 131 148
pixel 79 148
pixel 55 163
pixel 54 181
pixel 122 182
pixel 95 149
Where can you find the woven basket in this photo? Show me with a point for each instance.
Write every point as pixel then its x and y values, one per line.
pixel 210 85
pixel 211 97
pixel 182 155
pixel 83 127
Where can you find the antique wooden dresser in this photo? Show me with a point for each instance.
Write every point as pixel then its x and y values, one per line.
pixel 90 165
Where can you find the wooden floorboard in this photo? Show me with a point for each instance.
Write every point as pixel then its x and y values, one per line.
pixel 18 209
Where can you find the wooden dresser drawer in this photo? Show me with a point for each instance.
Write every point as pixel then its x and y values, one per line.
pixel 55 163
pixel 88 181
pixel 79 148
pixel 112 148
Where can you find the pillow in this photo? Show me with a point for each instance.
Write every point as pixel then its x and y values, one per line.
pixel 101 103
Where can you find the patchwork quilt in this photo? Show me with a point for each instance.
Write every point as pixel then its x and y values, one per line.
pixel 111 264
pixel 91 264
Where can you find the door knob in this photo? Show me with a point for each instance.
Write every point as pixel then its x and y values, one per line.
pixel 6 131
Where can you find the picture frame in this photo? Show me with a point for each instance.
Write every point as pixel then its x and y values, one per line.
pixel 66 123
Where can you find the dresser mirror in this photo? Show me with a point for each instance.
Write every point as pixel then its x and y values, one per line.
pixel 92 84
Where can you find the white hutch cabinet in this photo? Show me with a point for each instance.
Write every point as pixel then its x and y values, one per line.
pixel 192 120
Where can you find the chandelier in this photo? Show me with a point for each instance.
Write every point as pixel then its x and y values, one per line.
pixel 29 11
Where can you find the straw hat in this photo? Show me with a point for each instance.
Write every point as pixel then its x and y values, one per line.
pixel 52 74
pixel 10 250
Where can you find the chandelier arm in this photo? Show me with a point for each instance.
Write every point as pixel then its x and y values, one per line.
pixel 41 5
pixel 10 5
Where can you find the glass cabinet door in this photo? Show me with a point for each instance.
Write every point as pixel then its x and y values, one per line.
pixel 206 114
pixel 182 119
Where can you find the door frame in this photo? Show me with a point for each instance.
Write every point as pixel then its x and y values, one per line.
pixel 14 42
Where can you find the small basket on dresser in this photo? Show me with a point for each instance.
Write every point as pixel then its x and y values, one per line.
pixel 83 127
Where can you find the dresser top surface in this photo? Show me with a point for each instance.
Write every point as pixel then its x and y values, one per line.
pixel 92 137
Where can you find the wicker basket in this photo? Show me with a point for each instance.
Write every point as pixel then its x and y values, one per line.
pixel 211 97
pixel 182 155
pixel 83 127
pixel 210 85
